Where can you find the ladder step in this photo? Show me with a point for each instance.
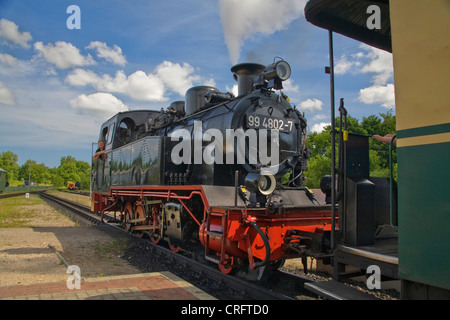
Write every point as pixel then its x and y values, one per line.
pixel 214 259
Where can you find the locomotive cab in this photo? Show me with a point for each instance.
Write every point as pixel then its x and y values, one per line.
pixel 119 133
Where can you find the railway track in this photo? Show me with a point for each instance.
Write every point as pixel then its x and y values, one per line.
pixel 280 285
pixel 16 194
pixel 76 211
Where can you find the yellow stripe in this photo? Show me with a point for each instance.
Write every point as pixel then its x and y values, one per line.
pixel 428 139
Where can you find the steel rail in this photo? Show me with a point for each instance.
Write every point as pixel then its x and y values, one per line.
pixel 73 207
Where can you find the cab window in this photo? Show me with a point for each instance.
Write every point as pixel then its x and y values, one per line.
pixel 105 134
pixel 126 128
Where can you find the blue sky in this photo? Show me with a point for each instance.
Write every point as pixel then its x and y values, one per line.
pixel 58 85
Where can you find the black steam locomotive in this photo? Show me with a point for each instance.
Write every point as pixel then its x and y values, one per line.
pixel 138 155
pixel 209 170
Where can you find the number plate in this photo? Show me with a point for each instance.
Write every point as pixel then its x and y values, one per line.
pixel 257 121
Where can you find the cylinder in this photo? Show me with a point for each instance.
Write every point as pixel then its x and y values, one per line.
pixel 215 243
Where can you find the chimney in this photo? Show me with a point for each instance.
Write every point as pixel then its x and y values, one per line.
pixel 247 75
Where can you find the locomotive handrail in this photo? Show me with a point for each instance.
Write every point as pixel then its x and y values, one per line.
pixel 293 219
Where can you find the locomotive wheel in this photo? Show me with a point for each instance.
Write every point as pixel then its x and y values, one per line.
pixel 225 268
pixel 154 239
pixel 174 248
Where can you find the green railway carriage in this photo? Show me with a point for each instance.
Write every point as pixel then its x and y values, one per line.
pixel 421 52
pixel 417 34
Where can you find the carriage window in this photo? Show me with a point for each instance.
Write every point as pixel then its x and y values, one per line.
pixel 125 129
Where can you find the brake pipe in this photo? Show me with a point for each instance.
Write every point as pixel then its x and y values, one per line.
pixel 266 245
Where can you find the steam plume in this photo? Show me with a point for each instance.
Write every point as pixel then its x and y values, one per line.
pixel 243 18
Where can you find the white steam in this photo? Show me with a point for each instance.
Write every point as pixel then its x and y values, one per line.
pixel 243 18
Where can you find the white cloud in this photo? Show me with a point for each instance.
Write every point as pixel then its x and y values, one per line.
pixel 6 95
pixel 12 67
pixel 311 105
pixel 319 127
pixel 290 87
pixel 80 77
pixel 343 65
pixel 373 60
pixel 10 32
pixel 8 60
pixel 63 55
pixel 385 95
pixel 113 55
pixel 145 87
pixel 117 84
pixel 50 72
pixel 381 64
pixel 320 116
pixel 139 85
pixel 101 103
pixel 243 18
pixel 178 78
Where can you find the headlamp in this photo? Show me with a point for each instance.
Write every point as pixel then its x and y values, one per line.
pixel 280 69
pixel 276 73
pixel 264 184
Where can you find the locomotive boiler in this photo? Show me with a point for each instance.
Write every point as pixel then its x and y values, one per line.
pixel 218 172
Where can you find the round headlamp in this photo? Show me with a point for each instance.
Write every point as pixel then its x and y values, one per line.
pixel 265 183
pixel 280 70
pixel 283 70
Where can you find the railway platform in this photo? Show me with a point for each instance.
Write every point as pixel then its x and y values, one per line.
pixel 144 286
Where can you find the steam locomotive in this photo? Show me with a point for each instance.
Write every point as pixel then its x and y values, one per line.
pixel 216 172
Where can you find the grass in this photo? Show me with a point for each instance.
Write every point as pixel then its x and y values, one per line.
pixel 15 212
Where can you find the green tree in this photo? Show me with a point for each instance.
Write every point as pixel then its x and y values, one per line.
pixel 72 170
pixel 38 173
pixel 69 170
pixel 319 145
pixel 318 167
pixel 8 162
pixel 85 173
